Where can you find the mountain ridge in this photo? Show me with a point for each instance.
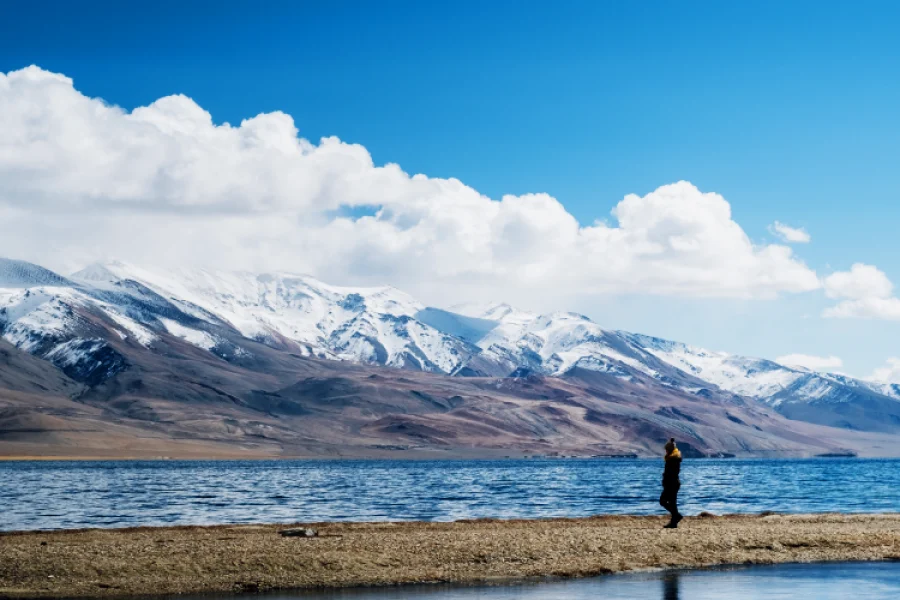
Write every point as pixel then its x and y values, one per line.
pixel 245 340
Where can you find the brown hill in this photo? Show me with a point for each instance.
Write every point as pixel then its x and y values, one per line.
pixel 180 400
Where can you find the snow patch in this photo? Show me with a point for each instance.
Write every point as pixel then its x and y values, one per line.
pixel 30 316
pixel 198 338
pixel 133 329
pixel 74 352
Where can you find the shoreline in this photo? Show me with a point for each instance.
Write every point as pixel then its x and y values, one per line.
pixel 156 561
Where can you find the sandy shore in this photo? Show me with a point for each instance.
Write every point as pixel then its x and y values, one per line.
pixel 178 560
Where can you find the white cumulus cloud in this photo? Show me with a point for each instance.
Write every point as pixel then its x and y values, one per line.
pixel 789 234
pixel 81 179
pixel 811 362
pixel 866 292
pixel 861 281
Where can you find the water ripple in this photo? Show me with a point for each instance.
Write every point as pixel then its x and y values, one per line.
pixel 52 495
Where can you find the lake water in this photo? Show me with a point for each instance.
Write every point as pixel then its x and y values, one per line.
pixel 860 581
pixel 51 495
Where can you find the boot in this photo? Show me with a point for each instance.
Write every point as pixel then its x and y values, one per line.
pixel 673 523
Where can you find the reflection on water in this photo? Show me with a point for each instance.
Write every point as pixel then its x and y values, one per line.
pixel 670 586
pixel 45 495
pixel 860 581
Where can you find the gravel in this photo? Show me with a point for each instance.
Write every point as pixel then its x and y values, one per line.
pixel 253 558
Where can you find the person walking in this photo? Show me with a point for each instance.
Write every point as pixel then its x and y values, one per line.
pixel 671 483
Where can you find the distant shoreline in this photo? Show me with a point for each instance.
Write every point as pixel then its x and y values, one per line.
pixel 249 558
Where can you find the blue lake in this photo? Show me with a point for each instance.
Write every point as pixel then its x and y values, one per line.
pixel 51 495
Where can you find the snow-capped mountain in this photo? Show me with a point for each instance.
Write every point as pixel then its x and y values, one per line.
pixel 76 326
pixel 554 344
pixel 40 311
pixel 372 325
pixel 77 323
pixel 557 343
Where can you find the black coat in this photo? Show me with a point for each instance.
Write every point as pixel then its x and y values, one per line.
pixel 672 470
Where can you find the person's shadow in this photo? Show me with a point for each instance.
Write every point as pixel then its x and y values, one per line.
pixel 670 586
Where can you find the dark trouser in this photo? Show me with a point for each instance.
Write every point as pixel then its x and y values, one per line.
pixel 669 498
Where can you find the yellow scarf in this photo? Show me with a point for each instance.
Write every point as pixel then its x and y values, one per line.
pixel 675 453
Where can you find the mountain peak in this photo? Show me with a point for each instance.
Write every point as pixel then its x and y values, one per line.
pixel 491 311
pixel 99 272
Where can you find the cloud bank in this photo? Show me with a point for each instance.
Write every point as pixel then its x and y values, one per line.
pixel 164 184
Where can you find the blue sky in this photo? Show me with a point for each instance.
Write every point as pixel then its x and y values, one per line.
pixel 786 109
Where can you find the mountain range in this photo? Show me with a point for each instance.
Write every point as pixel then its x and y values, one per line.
pixel 120 360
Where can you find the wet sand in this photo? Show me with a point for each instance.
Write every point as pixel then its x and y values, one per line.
pixel 250 558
